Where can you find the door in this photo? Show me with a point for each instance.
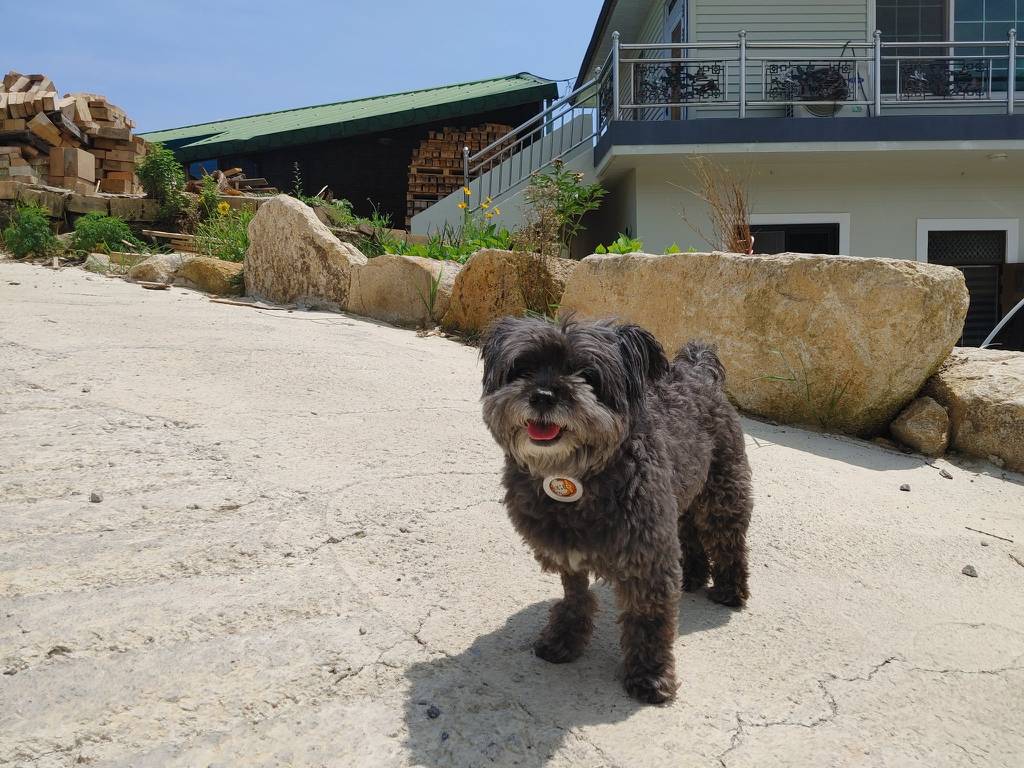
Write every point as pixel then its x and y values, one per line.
pixel 675 32
pixel 980 255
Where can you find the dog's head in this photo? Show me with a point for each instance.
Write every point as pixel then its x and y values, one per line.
pixel 561 398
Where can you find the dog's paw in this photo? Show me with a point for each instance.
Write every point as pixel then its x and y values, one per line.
pixel 727 595
pixel 692 582
pixel 651 689
pixel 558 650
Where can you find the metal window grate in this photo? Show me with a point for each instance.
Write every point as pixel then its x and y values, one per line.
pixel 957 247
pixel 979 255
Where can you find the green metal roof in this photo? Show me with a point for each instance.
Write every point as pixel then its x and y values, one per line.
pixel 351 118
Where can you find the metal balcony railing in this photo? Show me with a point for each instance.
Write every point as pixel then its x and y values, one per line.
pixel 675 81
pixel 658 81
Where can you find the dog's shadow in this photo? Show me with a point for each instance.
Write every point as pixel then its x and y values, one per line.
pixel 496 703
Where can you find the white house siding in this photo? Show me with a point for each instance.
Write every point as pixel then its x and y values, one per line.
pixel 792 21
pixel 884 193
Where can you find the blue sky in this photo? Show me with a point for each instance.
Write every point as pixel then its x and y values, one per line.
pixel 171 62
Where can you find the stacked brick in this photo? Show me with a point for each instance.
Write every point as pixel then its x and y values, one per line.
pixel 435 170
pixel 79 141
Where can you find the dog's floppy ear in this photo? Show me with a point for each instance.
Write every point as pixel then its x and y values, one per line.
pixel 643 358
pixel 492 352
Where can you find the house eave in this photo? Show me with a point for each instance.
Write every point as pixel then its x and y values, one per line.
pixel 756 135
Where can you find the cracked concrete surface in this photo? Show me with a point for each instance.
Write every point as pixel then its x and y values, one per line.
pixel 301 559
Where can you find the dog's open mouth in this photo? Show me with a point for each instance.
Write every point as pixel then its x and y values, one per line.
pixel 543 431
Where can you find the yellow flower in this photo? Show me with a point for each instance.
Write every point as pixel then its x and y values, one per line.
pixel 462 206
pixel 485 205
pixel 467 191
pixel 488 215
pixel 223 207
pixel 497 211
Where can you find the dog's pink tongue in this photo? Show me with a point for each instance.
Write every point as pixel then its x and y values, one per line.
pixel 539 430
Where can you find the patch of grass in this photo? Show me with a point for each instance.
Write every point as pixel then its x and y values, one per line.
pixel 225 235
pixel 29 233
pixel 823 408
pixel 97 232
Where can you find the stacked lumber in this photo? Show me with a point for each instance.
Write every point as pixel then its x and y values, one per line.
pixel 79 141
pixel 435 170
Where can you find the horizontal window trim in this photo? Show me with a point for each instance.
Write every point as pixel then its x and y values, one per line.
pixel 842 219
pixel 1010 226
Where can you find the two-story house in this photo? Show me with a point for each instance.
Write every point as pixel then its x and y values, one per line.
pixel 887 128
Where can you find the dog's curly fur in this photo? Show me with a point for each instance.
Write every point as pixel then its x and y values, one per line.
pixel 660 453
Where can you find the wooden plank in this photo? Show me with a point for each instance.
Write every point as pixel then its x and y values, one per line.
pixel 41 126
pixel 82 114
pixel 65 124
pixel 161 234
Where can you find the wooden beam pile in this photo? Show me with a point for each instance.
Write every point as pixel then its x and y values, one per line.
pixel 79 141
pixel 435 170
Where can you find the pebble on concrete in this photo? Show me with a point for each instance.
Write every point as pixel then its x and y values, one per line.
pixel 96 497
pixel 970 570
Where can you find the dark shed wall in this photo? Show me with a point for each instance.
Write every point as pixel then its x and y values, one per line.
pixel 364 168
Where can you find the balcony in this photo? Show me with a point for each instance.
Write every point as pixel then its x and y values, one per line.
pixel 652 96
pixel 742 79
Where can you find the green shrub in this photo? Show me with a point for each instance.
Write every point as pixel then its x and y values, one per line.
pixel 208 196
pixel 29 233
pixel 557 200
pixel 624 244
pixel 163 178
pixel 225 235
pixel 96 232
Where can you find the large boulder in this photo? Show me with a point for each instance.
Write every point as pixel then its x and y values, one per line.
pixel 495 283
pixel 838 342
pixel 403 290
pixel 159 268
pixel 294 258
pixel 924 426
pixel 211 275
pixel 983 391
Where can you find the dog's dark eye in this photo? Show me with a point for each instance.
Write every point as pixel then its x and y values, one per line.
pixel 592 378
pixel 520 369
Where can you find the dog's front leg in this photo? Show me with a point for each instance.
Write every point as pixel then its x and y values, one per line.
pixel 570 623
pixel 649 613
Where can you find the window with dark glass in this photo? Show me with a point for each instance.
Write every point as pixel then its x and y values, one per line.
pixel 910 21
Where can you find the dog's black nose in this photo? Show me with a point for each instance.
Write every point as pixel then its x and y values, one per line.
pixel 542 398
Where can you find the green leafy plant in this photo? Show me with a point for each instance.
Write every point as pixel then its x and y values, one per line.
pixel 672 249
pixel 208 196
pixel 225 235
pixel 557 200
pixel 163 178
pixel 623 244
pixel 29 233
pixel 459 243
pixel 96 232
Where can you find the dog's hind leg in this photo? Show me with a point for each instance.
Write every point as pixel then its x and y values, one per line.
pixel 696 568
pixel 570 622
pixel 721 515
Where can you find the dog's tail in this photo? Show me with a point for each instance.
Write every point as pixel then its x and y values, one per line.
pixel 702 358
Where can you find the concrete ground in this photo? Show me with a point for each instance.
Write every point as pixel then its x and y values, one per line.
pixel 300 558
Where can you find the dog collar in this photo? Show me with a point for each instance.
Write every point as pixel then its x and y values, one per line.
pixel 565 489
